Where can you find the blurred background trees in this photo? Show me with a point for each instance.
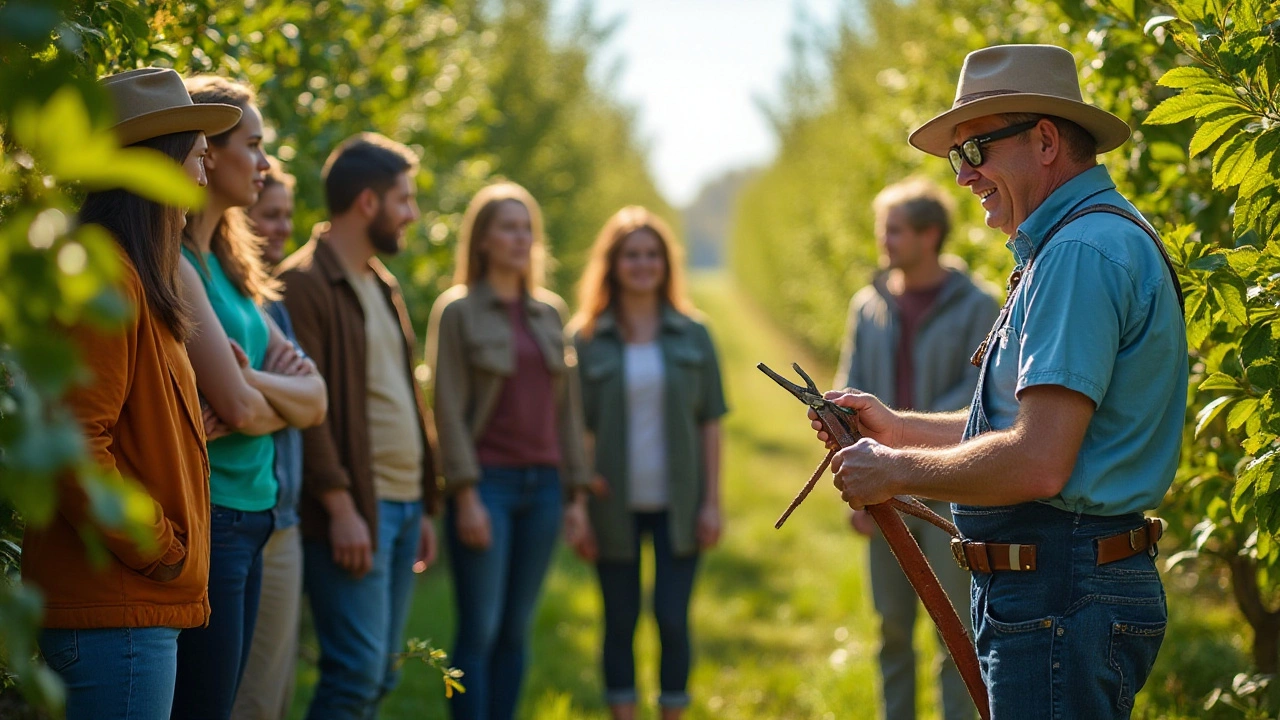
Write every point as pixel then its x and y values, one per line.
pixel 493 89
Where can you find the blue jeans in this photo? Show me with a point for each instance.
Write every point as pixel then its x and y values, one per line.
pixel 114 673
pixel 672 587
pixel 360 621
pixel 1070 639
pixel 496 589
pixel 211 658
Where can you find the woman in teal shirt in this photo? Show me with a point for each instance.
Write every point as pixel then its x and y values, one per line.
pixel 653 400
pixel 225 285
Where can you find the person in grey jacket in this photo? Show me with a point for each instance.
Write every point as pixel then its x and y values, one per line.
pixel 910 335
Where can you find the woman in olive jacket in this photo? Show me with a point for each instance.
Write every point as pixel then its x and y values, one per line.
pixel 509 422
pixel 653 400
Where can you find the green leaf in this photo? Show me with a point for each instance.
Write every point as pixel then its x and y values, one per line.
pixel 1211 411
pixel 1187 105
pixel 1242 259
pixel 1232 160
pixel 1156 22
pixel 1241 412
pixel 1263 375
pixel 1213 261
pixel 1219 381
pixel 1212 129
pixel 1188 76
pixel 1232 293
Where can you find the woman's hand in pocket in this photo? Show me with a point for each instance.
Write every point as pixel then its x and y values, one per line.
pixel 473 520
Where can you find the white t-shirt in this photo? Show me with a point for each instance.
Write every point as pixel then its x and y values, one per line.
pixel 646 427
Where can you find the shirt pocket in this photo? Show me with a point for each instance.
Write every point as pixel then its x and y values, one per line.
pixel 491 353
pixel 686 367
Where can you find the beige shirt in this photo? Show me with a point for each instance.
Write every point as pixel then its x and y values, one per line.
pixel 393 419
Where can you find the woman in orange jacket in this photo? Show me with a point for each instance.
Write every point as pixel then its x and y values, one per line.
pixel 111 626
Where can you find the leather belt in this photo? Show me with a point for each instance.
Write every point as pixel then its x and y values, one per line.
pixel 1015 557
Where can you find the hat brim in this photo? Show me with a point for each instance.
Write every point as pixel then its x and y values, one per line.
pixel 209 118
pixel 938 135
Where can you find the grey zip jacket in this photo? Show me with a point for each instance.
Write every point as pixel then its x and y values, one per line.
pixel 945 340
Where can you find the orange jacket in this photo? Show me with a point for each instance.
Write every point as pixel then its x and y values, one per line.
pixel 141 418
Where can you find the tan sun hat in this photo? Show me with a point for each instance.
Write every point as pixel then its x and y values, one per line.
pixel 151 102
pixel 1019 79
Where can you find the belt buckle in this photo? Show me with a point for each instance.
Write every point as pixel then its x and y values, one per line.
pixel 957 552
pixel 1133 538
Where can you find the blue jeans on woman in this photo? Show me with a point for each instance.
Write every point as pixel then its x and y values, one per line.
pixel 496 589
pixel 1070 639
pixel 360 621
pixel 211 658
pixel 672 588
pixel 114 673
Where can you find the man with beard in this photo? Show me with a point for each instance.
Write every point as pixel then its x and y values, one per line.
pixel 909 337
pixel 368 473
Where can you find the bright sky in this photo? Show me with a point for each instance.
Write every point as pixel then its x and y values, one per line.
pixel 693 68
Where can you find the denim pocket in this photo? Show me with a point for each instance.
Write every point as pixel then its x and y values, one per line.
pixel 60 648
pixel 1134 646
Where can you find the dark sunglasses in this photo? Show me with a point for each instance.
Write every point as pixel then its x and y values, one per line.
pixel 970 150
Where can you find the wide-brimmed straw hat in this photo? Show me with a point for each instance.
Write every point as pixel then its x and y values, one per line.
pixel 151 102
pixel 1019 79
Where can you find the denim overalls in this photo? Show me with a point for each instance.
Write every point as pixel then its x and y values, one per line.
pixel 1070 639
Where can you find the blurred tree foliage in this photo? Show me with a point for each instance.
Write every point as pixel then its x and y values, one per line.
pixel 1199 83
pixel 480 89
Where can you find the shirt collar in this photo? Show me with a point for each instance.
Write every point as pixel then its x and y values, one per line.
pixel 672 320
pixel 1030 235
pixel 483 292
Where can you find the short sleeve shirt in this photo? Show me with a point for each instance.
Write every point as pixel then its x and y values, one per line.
pixel 1096 312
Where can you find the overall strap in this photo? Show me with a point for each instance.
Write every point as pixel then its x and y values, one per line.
pixel 1113 210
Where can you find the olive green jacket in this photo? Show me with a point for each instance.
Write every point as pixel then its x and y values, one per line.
pixel 693 396
pixel 471 352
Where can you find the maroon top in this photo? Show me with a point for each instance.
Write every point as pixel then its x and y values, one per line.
pixel 522 431
pixel 912 306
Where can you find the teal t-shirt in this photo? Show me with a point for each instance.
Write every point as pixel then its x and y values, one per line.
pixel 241 467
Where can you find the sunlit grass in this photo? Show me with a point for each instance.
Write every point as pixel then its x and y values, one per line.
pixel 783 625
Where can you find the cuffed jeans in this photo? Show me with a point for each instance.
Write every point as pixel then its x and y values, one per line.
pixel 360 621
pixel 496 589
pixel 672 588
pixel 211 659
pixel 1070 639
pixel 114 673
pixel 897 604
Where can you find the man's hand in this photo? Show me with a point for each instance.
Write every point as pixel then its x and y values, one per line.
pixel 862 523
pixel 866 473
pixel 473 520
pixel 427 544
pixel 348 534
pixel 577 530
pixel 874 420
pixel 242 358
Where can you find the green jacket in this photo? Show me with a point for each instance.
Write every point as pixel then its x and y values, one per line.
pixel 471 353
pixel 694 396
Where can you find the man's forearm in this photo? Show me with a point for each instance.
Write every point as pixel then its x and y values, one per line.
pixel 932 430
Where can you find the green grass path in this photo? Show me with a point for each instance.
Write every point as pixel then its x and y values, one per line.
pixel 783 626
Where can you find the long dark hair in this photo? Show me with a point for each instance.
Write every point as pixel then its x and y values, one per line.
pixel 150 234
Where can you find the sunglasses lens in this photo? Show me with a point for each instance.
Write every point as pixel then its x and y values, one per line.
pixel 972 153
pixel 956 160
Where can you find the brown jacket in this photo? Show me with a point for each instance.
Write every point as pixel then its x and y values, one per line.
pixel 471 350
pixel 141 418
pixel 329 324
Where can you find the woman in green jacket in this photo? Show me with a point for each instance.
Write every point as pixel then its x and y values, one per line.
pixel 653 399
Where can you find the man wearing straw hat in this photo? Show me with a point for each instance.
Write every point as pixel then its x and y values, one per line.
pixel 1075 427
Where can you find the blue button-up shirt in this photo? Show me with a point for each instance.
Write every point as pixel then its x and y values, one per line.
pixel 288 445
pixel 1096 313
